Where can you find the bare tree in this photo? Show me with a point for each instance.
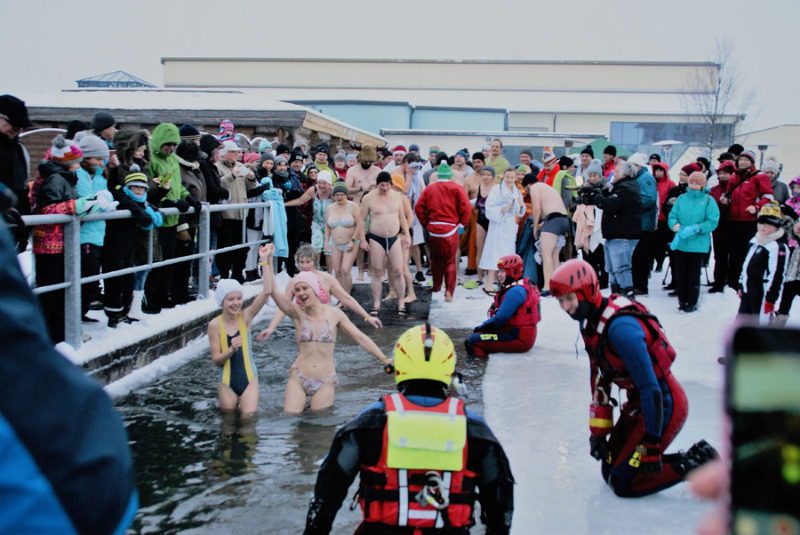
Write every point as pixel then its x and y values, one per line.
pixel 714 93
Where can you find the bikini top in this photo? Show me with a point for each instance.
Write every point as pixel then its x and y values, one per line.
pixel 325 335
pixel 346 222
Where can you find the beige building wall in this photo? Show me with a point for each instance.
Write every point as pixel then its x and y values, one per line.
pixel 783 143
pixel 662 77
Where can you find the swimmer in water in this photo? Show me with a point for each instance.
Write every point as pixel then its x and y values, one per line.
pixel 313 374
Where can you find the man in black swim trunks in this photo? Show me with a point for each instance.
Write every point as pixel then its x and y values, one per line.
pixel 387 223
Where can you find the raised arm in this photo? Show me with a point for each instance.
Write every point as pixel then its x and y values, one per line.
pixel 284 304
pixel 360 338
pixel 302 199
pixel 261 299
pixel 349 301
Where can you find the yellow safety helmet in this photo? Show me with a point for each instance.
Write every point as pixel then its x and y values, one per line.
pixel 424 352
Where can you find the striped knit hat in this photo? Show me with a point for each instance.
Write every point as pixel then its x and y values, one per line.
pixel 136 177
pixel 64 153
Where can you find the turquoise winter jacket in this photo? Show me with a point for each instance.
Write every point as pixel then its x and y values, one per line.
pixel 695 207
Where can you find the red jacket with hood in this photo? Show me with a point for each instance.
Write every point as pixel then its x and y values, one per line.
pixel 748 187
pixel 663 184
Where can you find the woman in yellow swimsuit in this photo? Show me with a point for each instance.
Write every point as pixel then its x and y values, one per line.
pixel 313 374
pixel 230 341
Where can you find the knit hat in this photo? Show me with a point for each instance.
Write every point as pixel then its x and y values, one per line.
pixel 434 150
pixel 594 167
pixel 228 146
pixel 413 146
pixel 309 278
pixel 265 145
pixel 296 155
pixel 266 155
pixel 136 177
pixel 280 159
pixel 339 187
pixel 528 151
pixel 93 146
pixel 749 154
pixel 341 155
pixel 383 176
pixel 656 156
pixel 250 157
pixel 226 125
pixel 399 149
pixel 490 169
pixel 479 156
pixel 189 132
pixel 282 149
pixel 444 171
pixel 398 181
pixel 463 154
pixel 690 168
pixel 588 150
pixel 522 168
pixel 15 110
pixel 325 176
pixel 64 153
pixel 102 120
pixel 224 287
pixel 611 150
pixel 208 143
pixel 75 126
pixel 771 165
pixel 726 166
pixel 698 178
pixel 565 162
pixel 548 157
pixel 770 214
pixel 322 147
pixel 639 159
pixel 350 157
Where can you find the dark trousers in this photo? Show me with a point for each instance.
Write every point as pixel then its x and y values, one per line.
pixel 118 294
pixel 50 270
pixel 231 264
pixel 157 286
pixel 741 234
pixel 686 274
pixel 791 289
pixel 642 261
pixel 183 271
pixel 722 248
pixel 90 265
pixel 597 259
pixel 663 238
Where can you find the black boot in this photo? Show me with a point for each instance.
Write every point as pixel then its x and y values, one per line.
pixel 615 289
pixel 697 456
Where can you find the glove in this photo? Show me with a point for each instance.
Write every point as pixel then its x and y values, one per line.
pixel 598 447
pixel 86 205
pixel 675 241
pixel 181 205
pixel 155 216
pixel 105 201
pixel 648 454
pixel 194 203
pixel 688 230
pixel 769 308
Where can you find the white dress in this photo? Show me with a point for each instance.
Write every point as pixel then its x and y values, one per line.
pixel 501 238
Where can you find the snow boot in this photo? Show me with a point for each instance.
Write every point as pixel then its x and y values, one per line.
pixel 698 455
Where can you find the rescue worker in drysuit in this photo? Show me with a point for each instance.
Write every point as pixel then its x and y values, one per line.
pixel 511 327
pixel 421 455
pixel 627 347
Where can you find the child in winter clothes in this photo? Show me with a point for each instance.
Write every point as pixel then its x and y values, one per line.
pixel 762 277
pixel 791 284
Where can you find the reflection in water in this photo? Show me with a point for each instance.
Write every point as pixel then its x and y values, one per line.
pixel 200 471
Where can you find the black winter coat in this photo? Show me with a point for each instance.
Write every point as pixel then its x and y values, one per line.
pixel 622 210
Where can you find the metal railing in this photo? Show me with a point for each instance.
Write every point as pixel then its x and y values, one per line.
pixel 72 255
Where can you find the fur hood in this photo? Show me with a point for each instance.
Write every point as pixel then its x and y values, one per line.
pixel 126 141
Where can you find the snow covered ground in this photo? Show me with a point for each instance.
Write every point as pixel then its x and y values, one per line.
pixel 537 404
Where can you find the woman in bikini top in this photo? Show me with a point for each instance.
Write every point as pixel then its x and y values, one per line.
pixel 341 242
pixel 313 373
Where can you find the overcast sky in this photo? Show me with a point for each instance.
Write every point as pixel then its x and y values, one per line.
pixel 49 44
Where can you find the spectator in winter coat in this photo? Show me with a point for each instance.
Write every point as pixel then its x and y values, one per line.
pixel 693 217
pixel 609 160
pixel 721 236
pixel 193 181
pixel 762 276
pixel 791 278
pixel 748 191
pixel 644 252
pixel 233 176
pixel 663 235
pixel 772 169
pixel 672 198
pixel 14 159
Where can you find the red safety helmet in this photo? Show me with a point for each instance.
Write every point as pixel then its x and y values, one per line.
pixel 576 276
pixel 513 265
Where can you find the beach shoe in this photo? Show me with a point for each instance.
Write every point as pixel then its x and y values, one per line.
pixel 419 277
pixel 429 283
pixel 471 285
pixel 490 293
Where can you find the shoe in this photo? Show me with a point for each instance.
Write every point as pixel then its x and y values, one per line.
pixel 640 293
pixel 615 289
pixel 716 290
pixel 419 277
pixel 87 319
pixel 670 286
pixel 490 293
pixel 97 304
pixel 690 308
pixel 113 322
pixel 147 309
pixel 402 313
pixel 374 311
pixel 429 283
pixel 426 264
pixel 471 285
pixel 629 292
pixel 471 272
pixel 129 320
pixel 673 293
pixel 698 455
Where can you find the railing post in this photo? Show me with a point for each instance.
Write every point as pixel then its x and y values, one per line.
pixel 204 245
pixel 72 274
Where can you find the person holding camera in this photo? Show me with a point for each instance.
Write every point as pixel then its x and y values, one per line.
pixel 628 347
pixel 588 220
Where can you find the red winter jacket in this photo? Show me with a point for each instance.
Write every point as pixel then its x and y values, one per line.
pixel 748 188
pixel 663 184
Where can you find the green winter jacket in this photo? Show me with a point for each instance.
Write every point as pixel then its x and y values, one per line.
pixel 161 164
pixel 695 207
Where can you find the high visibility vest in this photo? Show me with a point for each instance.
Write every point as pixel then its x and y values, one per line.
pixel 420 442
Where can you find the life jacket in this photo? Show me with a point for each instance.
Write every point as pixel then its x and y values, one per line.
pixel 611 366
pixel 529 313
pixel 420 445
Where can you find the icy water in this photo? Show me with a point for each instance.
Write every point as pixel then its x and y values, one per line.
pixel 198 474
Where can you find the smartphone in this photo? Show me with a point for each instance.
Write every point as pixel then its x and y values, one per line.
pixel 763 403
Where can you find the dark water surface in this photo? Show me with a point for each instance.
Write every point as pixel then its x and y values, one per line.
pixel 199 474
